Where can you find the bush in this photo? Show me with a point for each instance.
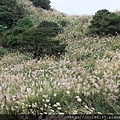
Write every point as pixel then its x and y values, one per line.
pixel 105 23
pixel 63 22
pixel 25 22
pixel 45 4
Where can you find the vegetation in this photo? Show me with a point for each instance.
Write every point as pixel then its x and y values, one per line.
pixel 86 80
pixel 45 4
pixel 105 23
pixel 40 40
pixel 10 13
pixel 63 23
pixel 13 37
pixel 52 26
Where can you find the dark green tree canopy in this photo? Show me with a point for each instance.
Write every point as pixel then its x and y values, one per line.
pixel 45 4
pixel 51 25
pixel 8 3
pixel 10 13
pixel 105 23
pixel 14 36
pixel 18 33
pixel 38 41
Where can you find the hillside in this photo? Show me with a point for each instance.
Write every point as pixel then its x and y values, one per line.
pixel 84 80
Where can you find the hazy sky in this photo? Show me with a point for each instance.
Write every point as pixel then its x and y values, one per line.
pixel 84 7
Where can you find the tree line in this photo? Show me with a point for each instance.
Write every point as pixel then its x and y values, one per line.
pixel 18 32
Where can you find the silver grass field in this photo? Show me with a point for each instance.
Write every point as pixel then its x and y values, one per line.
pixel 84 80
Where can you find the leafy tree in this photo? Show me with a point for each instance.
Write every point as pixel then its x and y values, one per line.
pixel 6 17
pixel 14 36
pixel 105 23
pixel 10 13
pixel 45 4
pixel 40 42
pixel 51 25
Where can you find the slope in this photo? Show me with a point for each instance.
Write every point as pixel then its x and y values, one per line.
pixel 84 80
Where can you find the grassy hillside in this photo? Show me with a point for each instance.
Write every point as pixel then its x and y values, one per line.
pixel 85 80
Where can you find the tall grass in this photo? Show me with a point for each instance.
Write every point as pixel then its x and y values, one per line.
pixel 85 80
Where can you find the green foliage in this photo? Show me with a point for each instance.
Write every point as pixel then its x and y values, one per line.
pixel 9 3
pixel 2 28
pixel 25 22
pixel 51 25
pixel 39 42
pixel 14 36
pixel 6 17
pixel 45 4
pixel 105 23
pixel 10 13
pixel 63 22
pixel 3 52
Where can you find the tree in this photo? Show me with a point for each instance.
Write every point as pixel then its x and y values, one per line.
pixel 51 25
pixel 10 13
pixel 105 23
pixel 45 4
pixel 40 42
pixel 14 36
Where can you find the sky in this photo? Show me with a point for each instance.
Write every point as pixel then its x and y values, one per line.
pixel 84 7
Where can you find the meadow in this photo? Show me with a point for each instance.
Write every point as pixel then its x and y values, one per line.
pixel 86 80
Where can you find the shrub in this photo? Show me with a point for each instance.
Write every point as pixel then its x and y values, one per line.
pixel 25 22
pixel 45 4
pixel 105 23
pixel 63 22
